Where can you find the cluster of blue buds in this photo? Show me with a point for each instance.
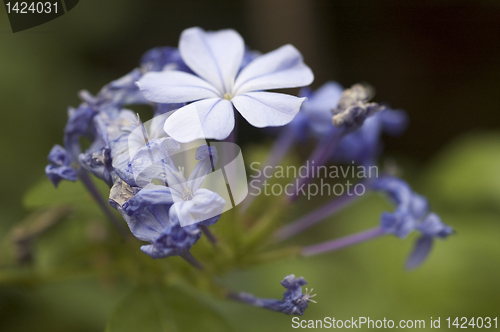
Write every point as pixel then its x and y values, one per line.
pixel 411 214
pixel 194 91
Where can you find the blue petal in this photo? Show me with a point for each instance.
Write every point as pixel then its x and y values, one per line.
pixel 123 91
pixel 116 94
pixel 78 125
pixel 398 223
pixel 433 226
pixel 149 195
pixel 158 58
pixel 394 122
pixel 361 146
pixel 173 240
pixel 58 173
pixel 420 252
pixel 419 206
pixel 398 190
pixel 146 226
pixel 294 301
pixel 319 105
pixel 59 156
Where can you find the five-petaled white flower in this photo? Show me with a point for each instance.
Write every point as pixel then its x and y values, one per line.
pixel 216 58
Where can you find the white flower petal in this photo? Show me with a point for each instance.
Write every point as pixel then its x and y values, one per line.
pixel 207 204
pixel 215 56
pixel 265 109
pixel 281 68
pixel 209 118
pixel 172 86
pixel 181 210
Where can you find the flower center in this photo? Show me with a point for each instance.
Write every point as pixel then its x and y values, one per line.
pixel 227 96
pixel 187 195
pixel 307 296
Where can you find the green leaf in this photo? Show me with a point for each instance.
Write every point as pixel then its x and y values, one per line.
pixel 44 194
pixel 155 309
pixel 467 174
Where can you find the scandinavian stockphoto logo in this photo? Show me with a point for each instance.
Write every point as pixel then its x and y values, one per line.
pixel 203 179
pixel 28 14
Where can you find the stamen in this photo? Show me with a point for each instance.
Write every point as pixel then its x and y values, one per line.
pixel 227 96
pixel 187 195
pixel 307 296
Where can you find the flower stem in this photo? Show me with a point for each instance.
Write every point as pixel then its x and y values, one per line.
pixel 263 228
pixel 343 242
pixel 314 217
pixel 92 189
pixel 318 158
pixel 278 151
pixel 210 236
pixel 191 260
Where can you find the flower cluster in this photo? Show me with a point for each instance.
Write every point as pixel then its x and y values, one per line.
pixel 194 92
pixel 411 214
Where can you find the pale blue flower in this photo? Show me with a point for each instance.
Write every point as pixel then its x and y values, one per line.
pixel 216 58
pixel 190 203
pixel 362 145
pixel 161 228
pixel 173 240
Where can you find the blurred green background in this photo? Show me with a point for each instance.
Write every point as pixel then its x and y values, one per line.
pixel 438 60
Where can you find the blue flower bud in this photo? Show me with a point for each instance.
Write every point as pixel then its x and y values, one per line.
pixel 59 167
pixel 294 302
